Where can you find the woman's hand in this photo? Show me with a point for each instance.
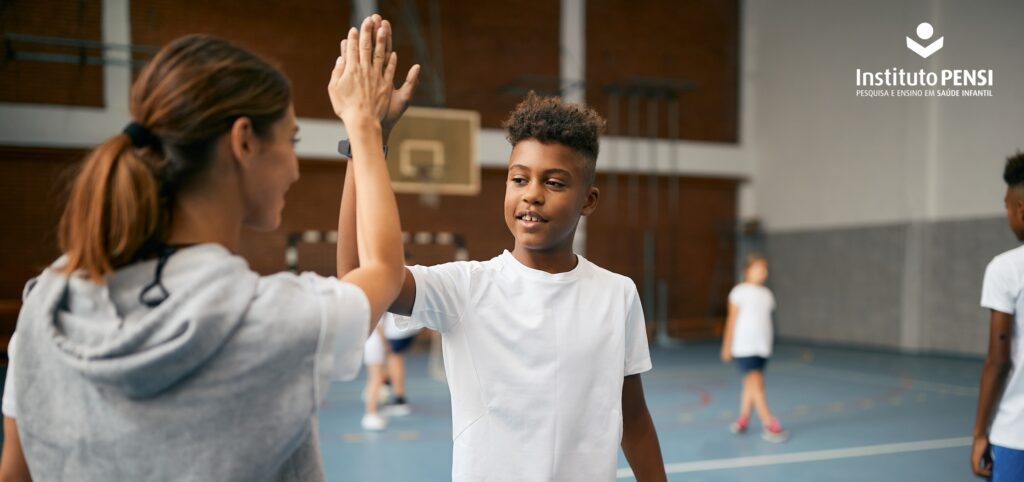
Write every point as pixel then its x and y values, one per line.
pixel 363 77
pixel 726 355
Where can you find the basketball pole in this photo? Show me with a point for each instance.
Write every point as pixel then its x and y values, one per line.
pixel 673 111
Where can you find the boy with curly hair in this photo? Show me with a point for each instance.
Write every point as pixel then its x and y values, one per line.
pixel 998 448
pixel 543 350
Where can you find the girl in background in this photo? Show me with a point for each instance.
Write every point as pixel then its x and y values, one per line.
pixel 747 341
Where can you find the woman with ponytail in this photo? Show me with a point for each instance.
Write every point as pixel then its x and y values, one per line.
pixel 150 350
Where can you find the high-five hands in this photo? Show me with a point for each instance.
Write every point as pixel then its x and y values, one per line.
pixel 362 81
pixel 356 86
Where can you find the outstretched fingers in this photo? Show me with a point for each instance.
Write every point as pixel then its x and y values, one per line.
pixel 389 70
pixel 352 50
pixel 380 55
pixel 366 43
pixel 388 46
pixel 411 79
pixel 339 64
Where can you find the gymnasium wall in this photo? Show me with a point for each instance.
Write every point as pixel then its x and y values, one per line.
pixel 33 189
pixel 688 41
pixel 52 112
pixel 881 213
pixel 48 82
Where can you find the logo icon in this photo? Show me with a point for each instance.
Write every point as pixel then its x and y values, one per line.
pixel 924 32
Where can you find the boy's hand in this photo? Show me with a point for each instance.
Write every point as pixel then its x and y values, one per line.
pixel 981 457
pixel 363 77
pixel 726 355
pixel 400 99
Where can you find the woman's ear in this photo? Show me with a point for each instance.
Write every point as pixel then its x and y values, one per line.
pixel 242 140
pixel 593 196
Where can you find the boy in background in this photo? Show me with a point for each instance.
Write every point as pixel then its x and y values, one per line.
pixel 998 449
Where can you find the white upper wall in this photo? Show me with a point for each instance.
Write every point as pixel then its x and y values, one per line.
pixel 825 158
pixel 976 135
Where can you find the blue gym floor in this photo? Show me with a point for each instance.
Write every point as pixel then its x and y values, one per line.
pixel 853 416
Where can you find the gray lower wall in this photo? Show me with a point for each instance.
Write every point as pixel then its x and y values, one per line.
pixel 913 287
pixel 956 255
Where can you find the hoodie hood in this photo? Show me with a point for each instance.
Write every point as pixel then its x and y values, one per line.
pixel 109 336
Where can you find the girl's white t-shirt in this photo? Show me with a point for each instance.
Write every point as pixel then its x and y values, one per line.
pixel 752 332
pixel 392 331
pixel 1003 291
pixel 373 350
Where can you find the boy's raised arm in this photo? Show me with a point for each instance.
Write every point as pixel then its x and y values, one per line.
pixel 360 88
pixel 348 254
pixel 348 233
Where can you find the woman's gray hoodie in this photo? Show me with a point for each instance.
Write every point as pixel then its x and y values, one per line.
pixel 221 381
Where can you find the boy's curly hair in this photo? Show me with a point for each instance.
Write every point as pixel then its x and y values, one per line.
pixel 1013 173
pixel 550 119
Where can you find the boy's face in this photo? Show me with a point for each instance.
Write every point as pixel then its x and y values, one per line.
pixel 546 192
pixel 1014 201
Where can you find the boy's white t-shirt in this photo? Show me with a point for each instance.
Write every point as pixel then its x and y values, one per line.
pixel 535 364
pixel 752 332
pixel 1003 290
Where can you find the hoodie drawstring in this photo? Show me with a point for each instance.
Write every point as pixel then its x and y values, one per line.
pixel 147 296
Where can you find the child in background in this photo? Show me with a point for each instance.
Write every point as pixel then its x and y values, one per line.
pixel 998 449
pixel 383 361
pixel 374 358
pixel 748 341
pixel 398 341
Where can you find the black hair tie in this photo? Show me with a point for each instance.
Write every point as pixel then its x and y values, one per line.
pixel 140 136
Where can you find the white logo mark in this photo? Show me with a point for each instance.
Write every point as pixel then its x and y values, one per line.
pixel 924 32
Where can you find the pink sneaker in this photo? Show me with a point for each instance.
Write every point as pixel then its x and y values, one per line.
pixel 774 433
pixel 739 426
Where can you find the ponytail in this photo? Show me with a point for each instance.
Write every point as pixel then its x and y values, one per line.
pixel 114 210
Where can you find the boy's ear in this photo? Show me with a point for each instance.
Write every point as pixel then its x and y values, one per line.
pixel 593 195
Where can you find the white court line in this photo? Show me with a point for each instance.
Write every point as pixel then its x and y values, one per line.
pixel 811 456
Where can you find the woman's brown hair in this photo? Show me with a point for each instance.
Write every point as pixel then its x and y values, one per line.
pixel 185 98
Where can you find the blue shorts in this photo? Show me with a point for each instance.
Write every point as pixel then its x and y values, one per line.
pixel 401 345
pixel 1007 464
pixel 748 364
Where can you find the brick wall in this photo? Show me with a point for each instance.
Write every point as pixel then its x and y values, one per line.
pixel 45 82
pixel 693 40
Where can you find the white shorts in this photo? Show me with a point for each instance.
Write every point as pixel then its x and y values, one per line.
pixel 373 352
